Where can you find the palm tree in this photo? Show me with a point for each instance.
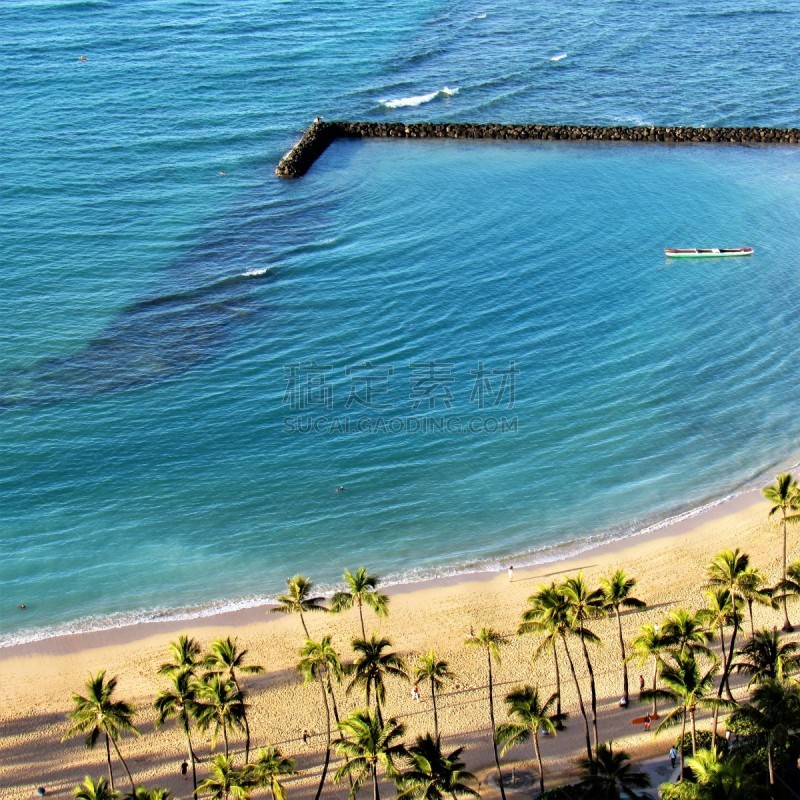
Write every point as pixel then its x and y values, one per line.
pixel 687 632
pixel 753 588
pixel 490 640
pixel 298 599
pixel 268 768
pixel 225 656
pixel 361 589
pixel 226 782
pixel 653 643
pixel 371 668
pixel 433 775
pixel 609 776
pixel 529 714
pixel 368 744
pixel 784 495
pixel 725 571
pixel 765 658
pixel 789 587
pixel 717 614
pixel 318 661
pixel 98 713
pixel 727 779
pixel 321 658
pixel 436 671
pixel 690 688
pixel 549 612
pixel 149 794
pixel 179 701
pixel 91 790
pixel 219 705
pixel 774 708
pixel 540 618
pixel 185 653
pixel 617 590
pixel 585 605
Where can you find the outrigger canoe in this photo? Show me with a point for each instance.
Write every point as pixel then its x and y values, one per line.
pixel 710 252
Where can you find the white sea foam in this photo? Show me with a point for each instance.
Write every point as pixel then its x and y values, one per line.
pixel 254 273
pixel 481 16
pixel 533 557
pixel 559 57
pixel 418 100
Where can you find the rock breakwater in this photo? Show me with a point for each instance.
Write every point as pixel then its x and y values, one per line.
pixel 320 134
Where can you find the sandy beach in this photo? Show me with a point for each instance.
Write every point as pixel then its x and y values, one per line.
pixel 669 565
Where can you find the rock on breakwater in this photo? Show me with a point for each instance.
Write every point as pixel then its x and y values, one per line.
pixel 320 134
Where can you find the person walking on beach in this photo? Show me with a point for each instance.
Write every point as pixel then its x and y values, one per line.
pixel 415 693
pixel 184 769
pixel 510 574
pixel 673 756
pixel 647 720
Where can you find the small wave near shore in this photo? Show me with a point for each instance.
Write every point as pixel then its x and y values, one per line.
pixel 543 555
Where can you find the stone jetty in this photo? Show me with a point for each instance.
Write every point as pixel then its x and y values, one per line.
pixel 321 133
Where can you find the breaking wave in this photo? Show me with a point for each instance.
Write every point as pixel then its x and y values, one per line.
pixel 418 100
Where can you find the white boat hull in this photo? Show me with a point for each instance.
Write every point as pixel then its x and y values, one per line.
pixel 710 252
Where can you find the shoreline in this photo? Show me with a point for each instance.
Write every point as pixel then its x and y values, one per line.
pixel 669 565
pixel 130 632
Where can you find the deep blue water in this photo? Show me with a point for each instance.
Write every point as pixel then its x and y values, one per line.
pixel 164 298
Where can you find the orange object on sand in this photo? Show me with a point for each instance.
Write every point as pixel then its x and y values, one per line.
pixel 642 720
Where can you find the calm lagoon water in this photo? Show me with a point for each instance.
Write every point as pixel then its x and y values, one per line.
pixel 159 318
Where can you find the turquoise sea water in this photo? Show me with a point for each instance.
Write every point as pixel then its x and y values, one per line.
pixel 159 318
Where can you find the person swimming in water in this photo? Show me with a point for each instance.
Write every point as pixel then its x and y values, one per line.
pixel 340 488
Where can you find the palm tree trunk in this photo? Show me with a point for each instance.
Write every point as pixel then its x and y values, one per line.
pixel 124 765
pixel 375 793
pixel 304 625
pixel 655 686
pixel 336 718
pixel 750 613
pixel 361 617
pixel 694 733
pixel 244 718
pixel 491 719
pixel 592 689
pixel 192 761
pixel 108 759
pixel 538 760
pixel 729 660
pixel 683 742
pixel 624 661
pixel 225 737
pixel 246 737
pixel 435 713
pixel 378 709
pixel 559 723
pixel 787 626
pixel 580 703
pixel 327 741
pixel 770 761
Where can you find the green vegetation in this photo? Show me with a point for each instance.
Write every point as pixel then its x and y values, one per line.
pixel 203 693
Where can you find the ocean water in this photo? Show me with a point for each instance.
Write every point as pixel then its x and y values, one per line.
pixel 482 342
